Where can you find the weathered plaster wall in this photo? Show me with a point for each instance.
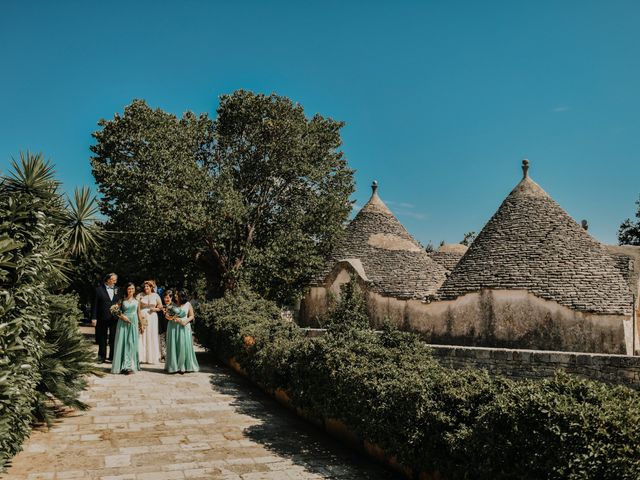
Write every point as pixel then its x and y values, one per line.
pixel 313 307
pixel 517 319
pixel 320 299
pixel 491 318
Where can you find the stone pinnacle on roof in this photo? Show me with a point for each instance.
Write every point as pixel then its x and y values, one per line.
pixel 532 244
pixel 374 203
pixel 393 261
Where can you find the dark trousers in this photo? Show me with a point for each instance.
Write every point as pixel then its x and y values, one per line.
pixel 105 332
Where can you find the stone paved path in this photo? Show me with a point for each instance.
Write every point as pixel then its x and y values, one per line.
pixel 210 424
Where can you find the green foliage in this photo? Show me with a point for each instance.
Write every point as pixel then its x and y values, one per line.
pixel 469 238
pixel 293 184
pixel 84 236
pixel 629 231
pixel 351 310
pixel 257 195
pixel 563 428
pixel 66 360
pixel 36 247
pixel 388 389
pixel 149 167
pixel 222 324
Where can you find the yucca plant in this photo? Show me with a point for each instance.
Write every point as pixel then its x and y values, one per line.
pixel 32 175
pixel 83 231
pixel 43 358
pixel 66 361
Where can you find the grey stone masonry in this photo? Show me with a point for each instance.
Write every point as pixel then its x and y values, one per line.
pixel 448 255
pixel 627 261
pixel 615 369
pixel 394 263
pixel 532 244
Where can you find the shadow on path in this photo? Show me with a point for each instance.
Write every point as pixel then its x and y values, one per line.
pixel 288 436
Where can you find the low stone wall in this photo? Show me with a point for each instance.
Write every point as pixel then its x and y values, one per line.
pixel 617 369
pixel 516 363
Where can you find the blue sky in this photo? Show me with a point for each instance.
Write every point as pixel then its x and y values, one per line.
pixel 442 99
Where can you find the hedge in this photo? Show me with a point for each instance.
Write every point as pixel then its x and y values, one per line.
pixel 43 356
pixel 460 424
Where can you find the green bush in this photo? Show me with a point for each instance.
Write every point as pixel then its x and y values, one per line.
pixel 42 356
pixel 388 389
pixel 66 361
pixel 23 321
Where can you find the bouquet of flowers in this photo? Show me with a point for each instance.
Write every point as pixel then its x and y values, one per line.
pixel 174 313
pixel 172 310
pixel 116 309
pixel 144 320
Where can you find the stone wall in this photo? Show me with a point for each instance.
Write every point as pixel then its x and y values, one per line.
pixel 617 369
pixel 520 364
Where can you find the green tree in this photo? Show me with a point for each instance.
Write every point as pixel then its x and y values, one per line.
pixel 259 195
pixel 350 313
pixel 629 231
pixel 468 239
pixel 150 169
pixel 285 194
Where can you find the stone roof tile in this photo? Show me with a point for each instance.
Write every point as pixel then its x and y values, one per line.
pixel 448 255
pixel 395 264
pixel 532 244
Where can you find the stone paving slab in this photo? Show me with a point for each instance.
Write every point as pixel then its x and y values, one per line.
pixel 210 424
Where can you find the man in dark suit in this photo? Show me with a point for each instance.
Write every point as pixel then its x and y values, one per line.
pixel 102 318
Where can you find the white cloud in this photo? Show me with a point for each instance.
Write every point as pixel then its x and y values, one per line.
pixel 400 204
pixel 410 214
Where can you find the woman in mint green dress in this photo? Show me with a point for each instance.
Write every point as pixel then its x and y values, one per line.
pixel 125 357
pixel 181 356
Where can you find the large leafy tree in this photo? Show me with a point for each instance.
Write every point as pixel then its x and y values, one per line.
pixel 629 231
pixel 284 189
pixel 151 171
pixel 257 195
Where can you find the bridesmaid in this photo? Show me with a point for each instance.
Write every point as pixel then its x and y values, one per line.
pixel 125 357
pixel 148 308
pixel 167 298
pixel 181 356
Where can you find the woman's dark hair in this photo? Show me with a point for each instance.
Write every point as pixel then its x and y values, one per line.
pixel 182 295
pixel 168 292
pixel 126 287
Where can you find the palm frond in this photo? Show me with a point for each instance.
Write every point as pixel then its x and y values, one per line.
pixel 33 175
pixel 84 232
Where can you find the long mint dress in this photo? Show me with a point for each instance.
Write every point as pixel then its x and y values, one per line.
pixel 125 357
pixel 181 356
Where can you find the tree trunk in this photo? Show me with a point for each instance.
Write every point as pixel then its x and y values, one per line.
pixel 213 274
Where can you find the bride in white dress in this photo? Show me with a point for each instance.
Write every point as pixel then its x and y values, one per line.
pixel 149 303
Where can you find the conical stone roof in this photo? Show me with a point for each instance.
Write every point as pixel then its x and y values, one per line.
pixel 395 264
pixel 448 255
pixel 532 244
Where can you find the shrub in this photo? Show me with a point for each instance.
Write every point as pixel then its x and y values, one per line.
pixel 66 361
pixel 351 311
pixel 42 355
pixel 388 389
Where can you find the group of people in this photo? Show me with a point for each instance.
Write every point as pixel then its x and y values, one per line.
pixel 144 327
